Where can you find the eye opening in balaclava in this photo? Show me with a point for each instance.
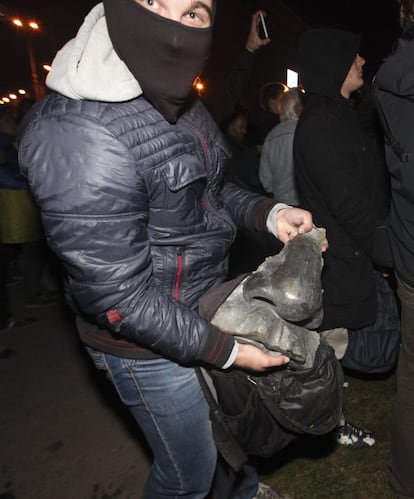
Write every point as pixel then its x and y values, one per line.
pixel 164 56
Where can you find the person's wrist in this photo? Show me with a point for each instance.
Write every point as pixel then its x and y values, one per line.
pixel 233 356
pixel 250 48
pixel 271 221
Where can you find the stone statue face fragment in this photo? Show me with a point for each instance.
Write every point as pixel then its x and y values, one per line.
pixel 277 306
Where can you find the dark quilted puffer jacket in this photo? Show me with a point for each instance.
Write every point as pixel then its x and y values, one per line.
pixel 137 211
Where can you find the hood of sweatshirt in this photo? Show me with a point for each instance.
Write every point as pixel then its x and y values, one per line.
pixel 324 58
pixel 87 67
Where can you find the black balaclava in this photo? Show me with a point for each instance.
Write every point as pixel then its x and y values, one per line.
pixel 324 58
pixel 164 56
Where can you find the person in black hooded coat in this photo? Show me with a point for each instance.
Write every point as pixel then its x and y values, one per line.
pixel 336 176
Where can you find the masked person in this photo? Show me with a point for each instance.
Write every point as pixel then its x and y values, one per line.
pixel 126 167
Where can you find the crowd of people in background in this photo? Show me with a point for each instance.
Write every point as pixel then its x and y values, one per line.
pixel 24 257
pixel 147 166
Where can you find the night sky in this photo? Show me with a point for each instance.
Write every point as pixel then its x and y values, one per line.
pixel 376 20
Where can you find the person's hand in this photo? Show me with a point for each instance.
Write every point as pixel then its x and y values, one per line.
pixel 285 223
pixel 254 41
pixel 292 221
pixel 252 358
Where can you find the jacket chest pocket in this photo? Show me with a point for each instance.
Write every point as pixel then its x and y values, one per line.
pixel 176 203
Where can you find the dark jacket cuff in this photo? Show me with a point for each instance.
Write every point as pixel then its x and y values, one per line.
pixel 257 218
pixel 217 348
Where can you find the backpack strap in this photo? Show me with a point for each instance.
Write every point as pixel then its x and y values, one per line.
pixel 226 444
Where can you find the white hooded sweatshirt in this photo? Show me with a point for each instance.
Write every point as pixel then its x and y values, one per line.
pixel 88 67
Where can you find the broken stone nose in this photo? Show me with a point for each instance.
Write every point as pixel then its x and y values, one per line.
pixel 290 281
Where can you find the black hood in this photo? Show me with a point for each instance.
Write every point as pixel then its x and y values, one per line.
pixel 324 58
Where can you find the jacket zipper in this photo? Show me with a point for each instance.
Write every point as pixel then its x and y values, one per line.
pixel 179 273
pixel 207 158
pixel 205 201
pixel 204 146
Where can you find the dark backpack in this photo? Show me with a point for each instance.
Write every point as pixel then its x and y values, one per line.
pixel 375 349
pixel 258 415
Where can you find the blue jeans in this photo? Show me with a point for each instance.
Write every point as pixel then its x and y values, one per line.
pixel 168 404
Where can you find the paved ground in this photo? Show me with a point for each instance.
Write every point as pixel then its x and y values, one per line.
pixel 63 434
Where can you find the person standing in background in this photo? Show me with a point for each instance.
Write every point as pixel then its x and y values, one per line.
pixel 335 178
pixel 20 226
pixel 394 84
pixel 276 170
pixel 225 100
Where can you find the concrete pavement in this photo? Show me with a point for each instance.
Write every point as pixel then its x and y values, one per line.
pixel 63 432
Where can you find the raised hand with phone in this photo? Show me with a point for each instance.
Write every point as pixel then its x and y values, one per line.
pixel 259 33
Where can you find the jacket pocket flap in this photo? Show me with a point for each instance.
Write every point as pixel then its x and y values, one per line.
pixel 182 172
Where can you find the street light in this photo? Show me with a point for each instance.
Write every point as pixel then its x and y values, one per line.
pixel 28 26
pixel 13 97
pixel 198 85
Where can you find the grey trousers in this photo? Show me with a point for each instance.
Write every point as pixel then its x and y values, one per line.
pixel 402 434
